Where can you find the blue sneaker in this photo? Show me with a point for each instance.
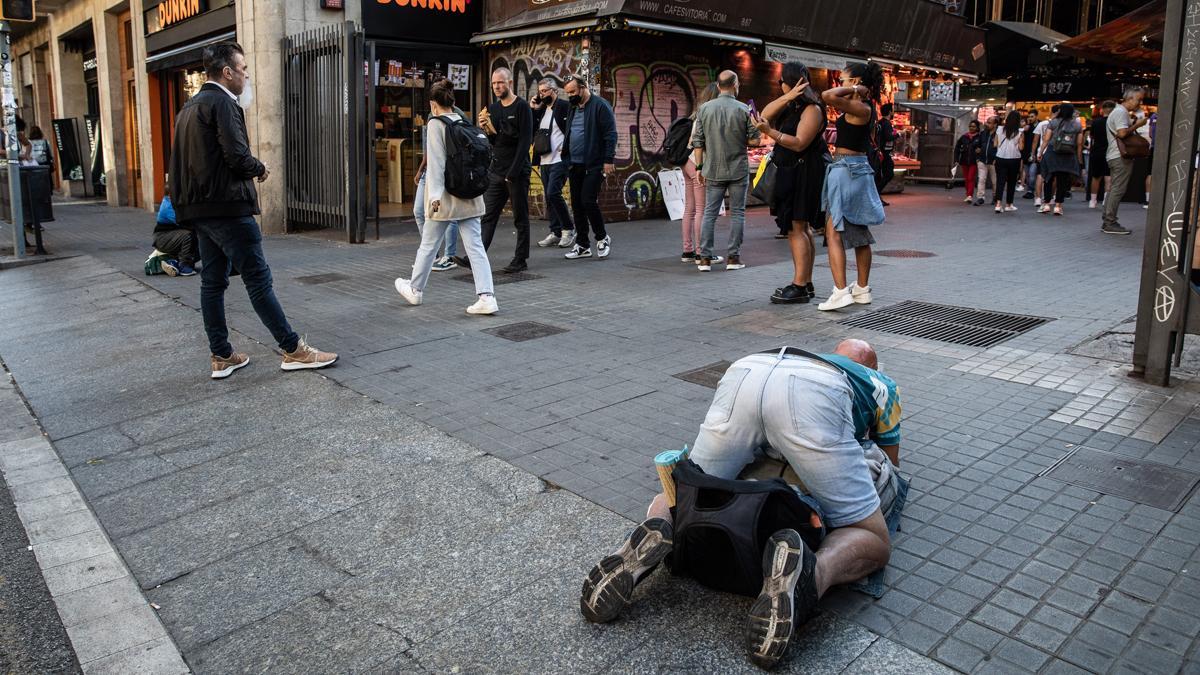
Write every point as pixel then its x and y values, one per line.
pixel 187 271
pixel 170 267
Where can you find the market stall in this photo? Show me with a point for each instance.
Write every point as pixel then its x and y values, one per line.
pixel 937 126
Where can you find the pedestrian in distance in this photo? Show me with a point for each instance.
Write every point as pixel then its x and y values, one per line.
pixel 965 152
pixel 1039 150
pixel 550 114
pixel 849 198
pixel 508 122
pixel 885 142
pixel 1121 123
pixel 1028 164
pixel 175 244
pixel 985 170
pixel 1009 142
pixel 723 131
pixel 1062 155
pixel 800 157
pixel 1099 177
pixel 212 187
pixel 443 209
pixel 589 149
pixel 693 191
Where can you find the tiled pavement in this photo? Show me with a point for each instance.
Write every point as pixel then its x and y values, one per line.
pixel 998 569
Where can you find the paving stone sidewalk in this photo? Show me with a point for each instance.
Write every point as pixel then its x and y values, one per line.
pixel 998 569
pixel 281 521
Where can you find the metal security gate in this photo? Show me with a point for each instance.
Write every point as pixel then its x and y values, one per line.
pixel 328 160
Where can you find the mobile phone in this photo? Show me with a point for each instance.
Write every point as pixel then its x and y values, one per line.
pixel 753 109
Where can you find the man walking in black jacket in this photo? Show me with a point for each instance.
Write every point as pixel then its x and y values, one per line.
pixel 212 188
pixel 508 122
pixel 550 116
pixel 588 151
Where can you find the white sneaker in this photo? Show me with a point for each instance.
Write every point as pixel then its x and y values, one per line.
pixel 860 294
pixel 1145 206
pixel 1037 201
pixel 1045 208
pixel 1092 203
pixel 567 240
pixel 968 199
pixel 578 252
pixel 840 298
pixel 604 247
pixel 999 209
pixel 550 240
pixel 486 304
pixel 406 291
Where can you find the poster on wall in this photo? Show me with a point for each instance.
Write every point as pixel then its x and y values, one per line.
pixel 96 155
pixel 671 184
pixel 460 76
pixel 66 138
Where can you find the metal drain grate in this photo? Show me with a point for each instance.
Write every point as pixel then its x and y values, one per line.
pixel 500 279
pixel 904 253
pixel 708 376
pixel 315 279
pixel 946 323
pixel 525 330
pixel 1158 485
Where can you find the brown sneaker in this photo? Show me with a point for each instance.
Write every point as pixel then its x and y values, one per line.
pixel 224 367
pixel 734 263
pixel 306 357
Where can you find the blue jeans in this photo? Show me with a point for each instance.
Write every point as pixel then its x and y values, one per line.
pixel 714 193
pixel 451 234
pixel 554 176
pixel 236 243
pixel 481 268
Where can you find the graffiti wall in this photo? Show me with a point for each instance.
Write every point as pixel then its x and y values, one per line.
pixel 535 58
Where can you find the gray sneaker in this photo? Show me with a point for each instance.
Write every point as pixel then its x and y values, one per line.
pixel 567 240
pixel 550 240
pixel 1115 228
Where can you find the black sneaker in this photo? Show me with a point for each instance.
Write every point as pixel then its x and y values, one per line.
pixel 1027 195
pixel 979 201
pixel 1115 228
pixel 609 586
pixel 517 265
pixel 461 261
pixel 790 294
pixel 812 291
pixel 687 256
pixel 788 598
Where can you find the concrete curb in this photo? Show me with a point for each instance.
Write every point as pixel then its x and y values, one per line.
pixel 112 627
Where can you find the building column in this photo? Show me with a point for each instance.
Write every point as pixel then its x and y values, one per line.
pixel 105 27
pixel 69 92
pixel 147 106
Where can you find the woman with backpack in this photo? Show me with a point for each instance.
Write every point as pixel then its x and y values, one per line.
pixel 800 159
pixel 1062 155
pixel 443 208
pixel 1010 143
pixel 693 189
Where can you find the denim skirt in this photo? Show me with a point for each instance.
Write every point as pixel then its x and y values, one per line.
pixel 849 194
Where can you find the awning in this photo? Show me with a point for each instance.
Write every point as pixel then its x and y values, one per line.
pixel 1014 46
pixel 532 30
pixel 812 59
pixel 189 53
pixel 1132 40
pixel 917 66
pixel 691 32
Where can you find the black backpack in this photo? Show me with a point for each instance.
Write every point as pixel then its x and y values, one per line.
pixel 1065 140
pixel 722 526
pixel 675 147
pixel 468 156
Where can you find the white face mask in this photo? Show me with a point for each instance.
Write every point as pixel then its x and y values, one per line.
pixel 246 98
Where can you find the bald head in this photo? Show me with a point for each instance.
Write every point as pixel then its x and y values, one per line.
pixel 727 80
pixel 858 351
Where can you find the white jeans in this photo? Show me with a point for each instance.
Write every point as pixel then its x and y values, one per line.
pixel 431 237
pixel 983 173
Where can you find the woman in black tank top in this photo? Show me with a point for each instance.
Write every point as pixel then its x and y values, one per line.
pixel 850 198
pixel 799 158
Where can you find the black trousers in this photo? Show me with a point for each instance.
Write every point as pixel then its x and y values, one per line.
pixel 1056 186
pixel 180 244
pixel 500 192
pixel 585 203
pixel 1007 171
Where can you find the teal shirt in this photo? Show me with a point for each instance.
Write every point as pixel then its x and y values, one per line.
pixel 876 407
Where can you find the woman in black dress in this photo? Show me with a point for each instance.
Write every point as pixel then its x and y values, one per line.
pixel 799 158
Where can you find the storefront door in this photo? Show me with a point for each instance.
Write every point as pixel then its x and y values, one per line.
pixel 133 159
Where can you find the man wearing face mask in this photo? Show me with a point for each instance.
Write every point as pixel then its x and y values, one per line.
pixel 588 151
pixel 551 114
pixel 212 187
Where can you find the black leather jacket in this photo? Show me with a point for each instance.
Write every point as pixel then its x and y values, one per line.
pixel 212 171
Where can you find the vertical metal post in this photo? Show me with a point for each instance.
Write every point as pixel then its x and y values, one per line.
pixel 14 145
pixel 1162 300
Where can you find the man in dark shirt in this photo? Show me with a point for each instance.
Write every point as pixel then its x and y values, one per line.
pixel 885 140
pixel 508 122
pixel 1099 178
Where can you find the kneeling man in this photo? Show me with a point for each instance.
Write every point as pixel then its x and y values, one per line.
pixel 815 410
